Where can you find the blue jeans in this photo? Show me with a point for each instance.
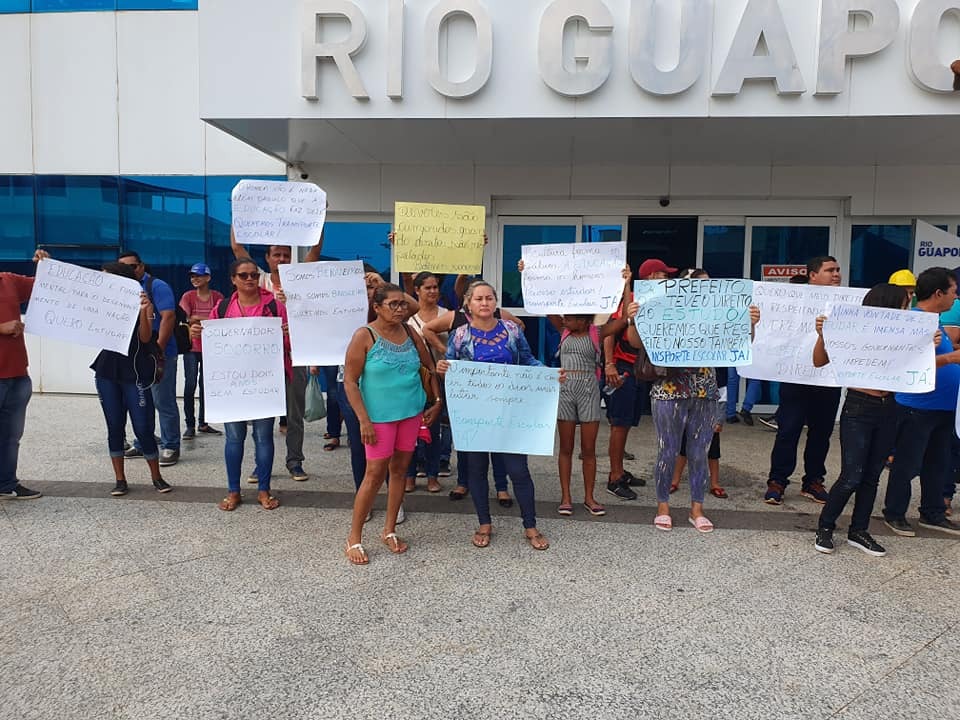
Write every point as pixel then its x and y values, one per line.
pixel 165 401
pixel 867 431
pixel 235 435
pixel 924 442
pixel 750 398
pixel 815 407
pixel 118 399
pixel 516 467
pixel 14 395
pixel 334 419
pixel 192 378
pixel 446 442
pixel 358 456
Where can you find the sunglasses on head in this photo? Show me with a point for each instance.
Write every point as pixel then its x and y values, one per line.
pixel 248 275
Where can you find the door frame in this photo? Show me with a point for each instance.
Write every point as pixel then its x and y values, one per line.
pixel 751 222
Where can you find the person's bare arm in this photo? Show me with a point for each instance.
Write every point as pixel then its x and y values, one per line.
pixel 431 331
pixel 239 251
pixel 820 356
pixel 507 315
pixel 633 337
pixel 313 254
pixel 168 319
pixel 354 362
pixel 145 324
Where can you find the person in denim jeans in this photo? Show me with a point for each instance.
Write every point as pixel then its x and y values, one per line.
pixel 165 391
pixel 868 429
pixel 926 425
pixel 197 304
pixel 15 385
pixel 122 383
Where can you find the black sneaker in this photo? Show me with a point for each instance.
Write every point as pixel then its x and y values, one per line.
pixel 133 452
pixel 189 434
pixel 633 480
pixel 746 417
pixel 900 527
pixel 21 493
pixel 207 430
pixel 621 489
pixel 945 525
pixel 861 540
pixel 444 469
pixel 161 485
pixel 824 541
pixel 733 420
pixel 119 489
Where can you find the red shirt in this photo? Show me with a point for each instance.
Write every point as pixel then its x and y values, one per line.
pixel 622 349
pixel 14 291
pixel 194 306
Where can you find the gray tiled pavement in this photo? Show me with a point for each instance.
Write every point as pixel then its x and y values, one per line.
pixel 150 607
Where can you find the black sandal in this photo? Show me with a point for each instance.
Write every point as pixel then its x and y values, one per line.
pixel 505 502
pixel 454 495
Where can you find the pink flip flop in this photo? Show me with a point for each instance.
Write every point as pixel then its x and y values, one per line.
pixel 663 522
pixel 701 524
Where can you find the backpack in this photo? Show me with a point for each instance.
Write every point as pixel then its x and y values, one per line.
pixel 225 303
pixel 181 328
pixel 595 339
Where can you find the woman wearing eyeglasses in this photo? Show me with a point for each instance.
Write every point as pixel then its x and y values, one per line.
pixel 250 300
pixel 383 384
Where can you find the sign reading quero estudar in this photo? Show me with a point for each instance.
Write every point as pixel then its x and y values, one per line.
pixel 580 68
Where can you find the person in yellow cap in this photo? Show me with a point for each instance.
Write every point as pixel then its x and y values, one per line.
pixel 905 279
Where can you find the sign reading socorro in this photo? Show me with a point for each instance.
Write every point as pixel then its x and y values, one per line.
pixel 695 322
pixel 243 375
pixel 326 303
pixel 502 408
pixel 439 238
pixel 573 277
pixel 881 349
pixel 785 336
pixel 82 306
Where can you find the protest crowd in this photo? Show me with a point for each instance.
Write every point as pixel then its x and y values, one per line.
pixel 414 359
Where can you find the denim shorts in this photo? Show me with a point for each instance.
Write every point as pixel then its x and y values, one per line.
pixel 625 406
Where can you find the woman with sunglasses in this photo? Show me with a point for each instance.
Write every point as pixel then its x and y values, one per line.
pixel 383 383
pixel 250 300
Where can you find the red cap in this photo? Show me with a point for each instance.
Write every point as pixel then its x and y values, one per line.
pixel 649 267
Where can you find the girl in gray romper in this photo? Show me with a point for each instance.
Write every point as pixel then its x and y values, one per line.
pixel 579 404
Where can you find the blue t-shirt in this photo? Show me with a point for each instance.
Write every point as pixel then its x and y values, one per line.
pixel 944 396
pixel 162 296
pixel 951 316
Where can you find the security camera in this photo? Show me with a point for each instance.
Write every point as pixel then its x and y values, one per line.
pixel 665 201
pixel 304 176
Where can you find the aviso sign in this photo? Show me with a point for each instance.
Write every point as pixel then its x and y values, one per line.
pixel 580 68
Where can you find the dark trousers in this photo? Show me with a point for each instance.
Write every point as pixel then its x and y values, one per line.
pixel 192 378
pixel 14 395
pixel 868 429
pixel 334 418
pixel 516 468
pixel 924 442
pixel 358 456
pixel 118 399
pixel 815 407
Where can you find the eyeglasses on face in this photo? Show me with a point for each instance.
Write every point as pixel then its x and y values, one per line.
pixel 248 275
pixel 396 305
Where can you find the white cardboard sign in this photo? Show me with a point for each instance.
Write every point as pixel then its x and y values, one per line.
pixel 573 277
pixel 243 375
pixel 326 303
pixel 881 349
pixel 785 336
pixel 271 212
pixel 84 307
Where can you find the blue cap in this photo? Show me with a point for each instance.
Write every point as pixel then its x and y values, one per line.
pixel 200 269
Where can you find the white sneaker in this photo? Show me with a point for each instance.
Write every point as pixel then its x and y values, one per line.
pixel 253 479
pixel 401 516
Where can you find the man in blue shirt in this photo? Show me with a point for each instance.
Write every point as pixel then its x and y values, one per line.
pixel 165 392
pixel 926 423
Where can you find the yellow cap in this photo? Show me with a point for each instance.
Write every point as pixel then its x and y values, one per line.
pixel 903 278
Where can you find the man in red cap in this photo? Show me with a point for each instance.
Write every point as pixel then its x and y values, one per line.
pixel 624 394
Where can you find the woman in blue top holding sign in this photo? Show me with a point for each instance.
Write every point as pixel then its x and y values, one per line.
pixel 489 339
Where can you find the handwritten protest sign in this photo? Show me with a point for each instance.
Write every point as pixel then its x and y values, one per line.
pixel 326 303
pixel 502 408
pixel 881 349
pixel 695 322
pixel 573 277
pixel 439 238
pixel 784 338
pixel 243 376
pixel 270 212
pixel 84 307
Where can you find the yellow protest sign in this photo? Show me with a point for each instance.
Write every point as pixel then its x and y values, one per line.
pixel 439 238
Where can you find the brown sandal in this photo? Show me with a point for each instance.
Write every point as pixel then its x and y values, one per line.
pixel 230 502
pixel 268 501
pixel 482 539
pixel 538 541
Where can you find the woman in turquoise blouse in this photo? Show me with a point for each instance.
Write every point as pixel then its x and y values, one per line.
pixel 384 387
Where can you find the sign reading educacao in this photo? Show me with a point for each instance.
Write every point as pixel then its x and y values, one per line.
pixel 763 45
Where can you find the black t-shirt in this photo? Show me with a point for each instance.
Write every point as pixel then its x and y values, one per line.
pixel 136 366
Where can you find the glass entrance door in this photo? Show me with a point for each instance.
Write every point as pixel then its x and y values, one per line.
pixel 773 242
